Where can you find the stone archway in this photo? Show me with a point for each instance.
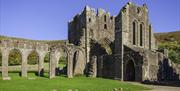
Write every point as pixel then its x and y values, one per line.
pixel 14 61
pixel 62 60
pixel 55 54
pixel 79 62
pixel 130 71
pixel 46 64
pixel 32 62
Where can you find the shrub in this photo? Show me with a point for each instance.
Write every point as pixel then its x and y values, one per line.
pixel 33 58
pixel 174 50
pixel 14 58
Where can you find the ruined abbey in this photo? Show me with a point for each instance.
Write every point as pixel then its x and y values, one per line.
pixel 101 45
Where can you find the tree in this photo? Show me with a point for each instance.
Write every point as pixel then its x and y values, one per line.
pixel 14 57
pixel 174 50
pixel 33 58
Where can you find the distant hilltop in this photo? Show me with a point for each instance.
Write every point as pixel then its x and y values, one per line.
pixel 168 37
pixel 50 42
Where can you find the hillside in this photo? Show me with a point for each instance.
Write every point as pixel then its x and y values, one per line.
pixel 51 42
pixel 170 41
pixel 168 37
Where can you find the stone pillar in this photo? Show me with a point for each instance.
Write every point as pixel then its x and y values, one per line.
pixel 52 65
pixel 5 55
pixel 41 64
pixel 24 65
pixel 94 66
pixel 70 65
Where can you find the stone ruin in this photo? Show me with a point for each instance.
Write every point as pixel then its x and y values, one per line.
pixel 100 45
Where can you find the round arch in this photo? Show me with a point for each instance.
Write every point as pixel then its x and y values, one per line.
pixel 32 62
pixel 129 69
pixel 79 61
pixel 15 57
pixel 15 60
pixel 61 54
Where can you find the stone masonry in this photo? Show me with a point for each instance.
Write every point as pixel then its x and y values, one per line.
pixel 101 45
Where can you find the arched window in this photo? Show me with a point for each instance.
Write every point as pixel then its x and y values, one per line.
pixel 141 34
pixel 104 18
pixel 89 19
pixel 134 33
pixel 105 26
pixel 150 37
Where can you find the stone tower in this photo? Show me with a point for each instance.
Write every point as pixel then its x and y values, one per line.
pixel 92 26
pixel 134 31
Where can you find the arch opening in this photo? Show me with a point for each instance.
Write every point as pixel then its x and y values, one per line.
pixel 32 63
pixel 134 33
pixel 46 65
pixel 14 61
pixel 149 37
pixel 130 71
pixel 141 34
pixel 62 61
pixel 78 62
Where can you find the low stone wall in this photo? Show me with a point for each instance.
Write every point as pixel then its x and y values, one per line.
pixel 18 68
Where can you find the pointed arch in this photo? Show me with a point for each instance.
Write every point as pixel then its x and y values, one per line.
pixel 130 71
pixel 141 35
pixel 134 31
pixel 79 62
pixel 105 18
pixel 150 37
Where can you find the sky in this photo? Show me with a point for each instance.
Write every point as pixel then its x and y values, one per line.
pixel 48 19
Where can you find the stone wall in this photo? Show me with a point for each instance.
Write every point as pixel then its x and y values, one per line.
pixel 90 26
pixel 75 55
pixel 108 70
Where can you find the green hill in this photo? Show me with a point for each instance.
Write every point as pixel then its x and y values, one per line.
pixel 168 37
pixel 50 42
pixel 170 41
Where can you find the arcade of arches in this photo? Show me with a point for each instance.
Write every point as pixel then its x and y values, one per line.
pixel 40 58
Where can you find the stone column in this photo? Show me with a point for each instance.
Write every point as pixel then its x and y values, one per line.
pixel 41 64
pixel 5 54
pixel 24 65
pixel 52 65
pixel 70 65
pixel 94 66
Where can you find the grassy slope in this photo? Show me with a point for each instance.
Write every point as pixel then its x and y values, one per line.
pixel 170 41
pixel 64 84
pixel 51 42
pixel 168 37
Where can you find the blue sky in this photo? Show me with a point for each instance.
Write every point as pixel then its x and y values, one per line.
pixel 47 19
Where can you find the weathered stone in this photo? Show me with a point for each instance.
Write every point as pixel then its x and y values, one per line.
pixel 93 67
pixel 121 47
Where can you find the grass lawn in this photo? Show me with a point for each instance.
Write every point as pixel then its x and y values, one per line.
pixel 60 83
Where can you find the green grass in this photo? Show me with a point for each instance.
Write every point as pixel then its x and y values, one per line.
pixel 64 84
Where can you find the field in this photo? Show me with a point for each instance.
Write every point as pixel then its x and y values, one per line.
pixel 61 83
